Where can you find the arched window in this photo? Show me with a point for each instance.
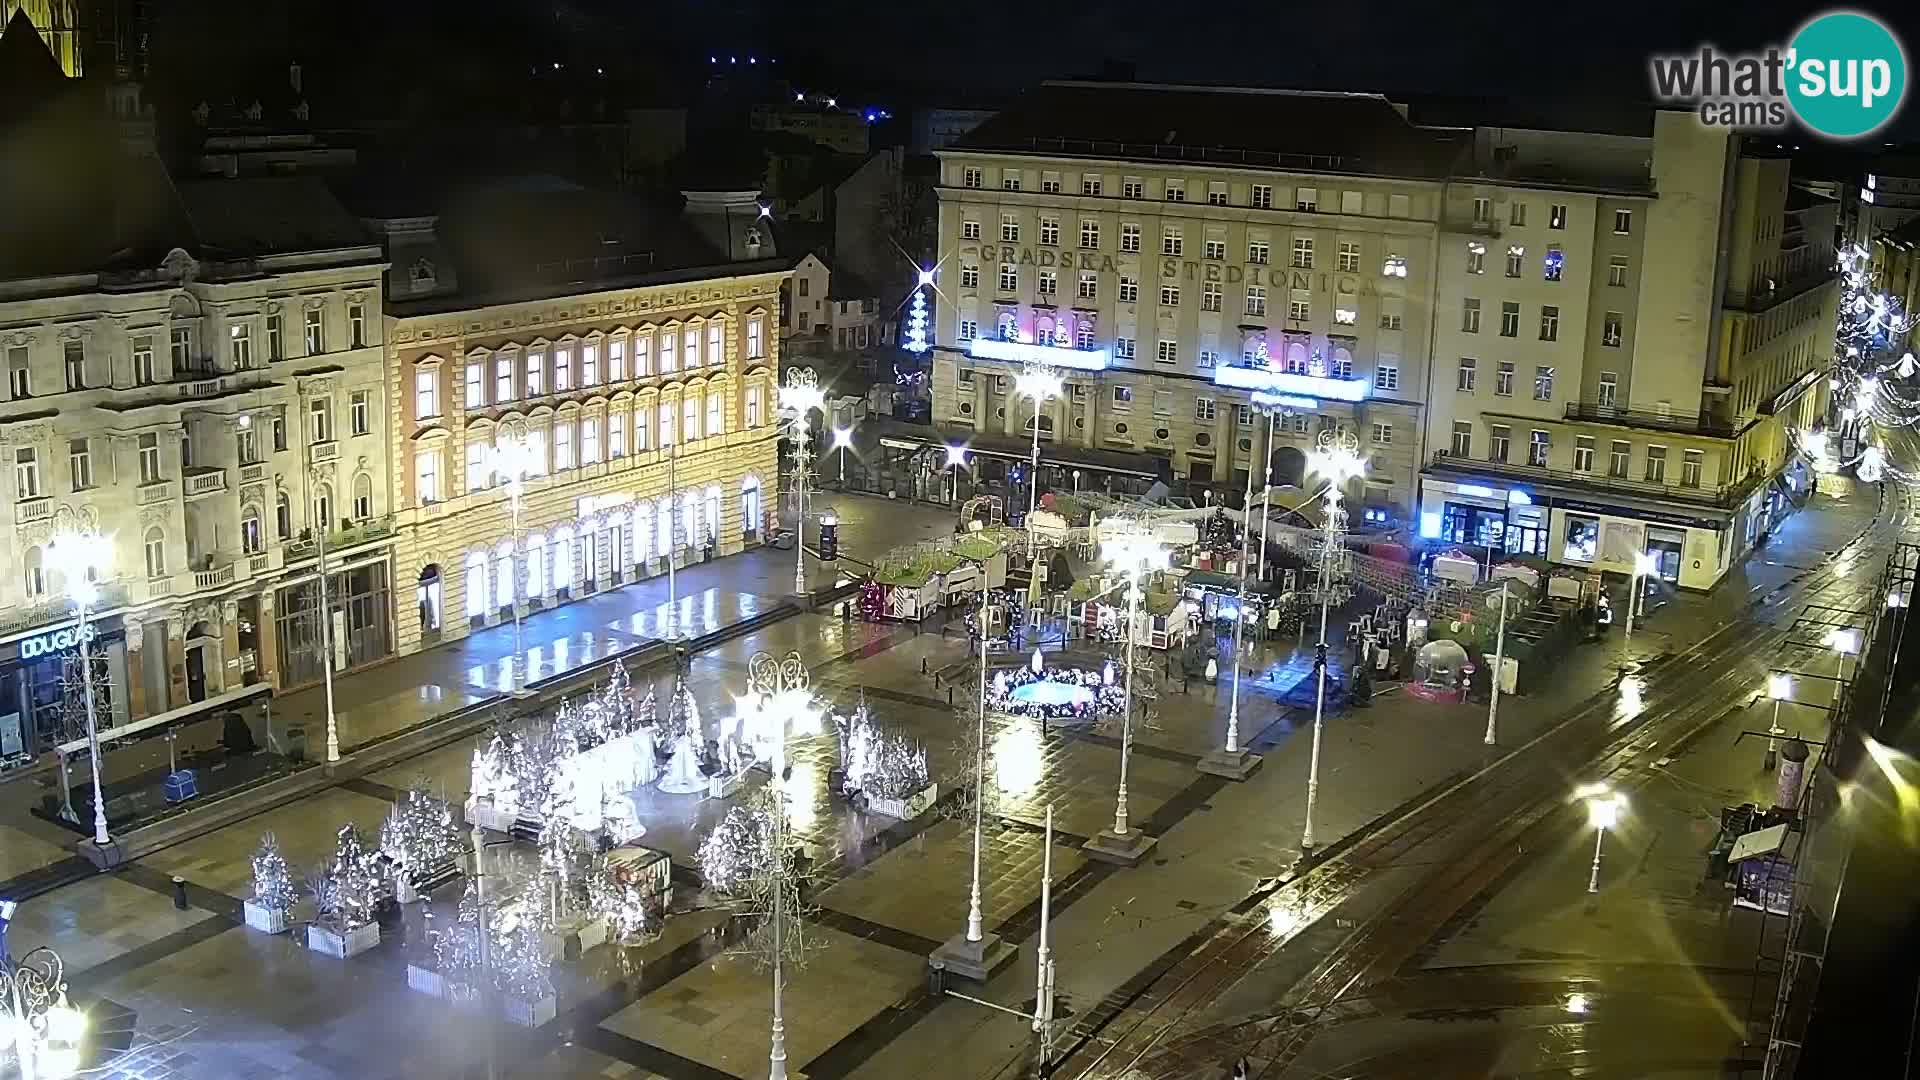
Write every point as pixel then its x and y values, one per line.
pixel 750 506
pixel 283 516
pixel 535 547
pixel 156 549
pixel 251 537
pixel 362 497
pixel 690 518
pixel 1009 326
pixel 322 507
pixel 663 535
pixel 503 576
pixel 713 515
pixel 1296 358
pixel 426 594
pixel 641 530
pixel 562 557
pixel 36 572
pixel 476 584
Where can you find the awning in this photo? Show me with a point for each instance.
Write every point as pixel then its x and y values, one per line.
pixel 156 725
pixel 1755 845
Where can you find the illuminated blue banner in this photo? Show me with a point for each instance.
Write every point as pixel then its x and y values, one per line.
pixel 1022 352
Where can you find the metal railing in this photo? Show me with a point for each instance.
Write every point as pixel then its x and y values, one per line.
pixel 1182 152
pixel 361 532
pixel 206 481
pixel 1685 423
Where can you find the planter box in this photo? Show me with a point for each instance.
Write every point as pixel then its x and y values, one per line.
pixel 530 1013
pixel 426 981
pixel 573 937
pixel 725 787
pixel 908 808
pixel 481 812
pixel 325 939
pixel 265 919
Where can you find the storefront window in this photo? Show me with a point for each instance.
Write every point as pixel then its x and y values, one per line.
pixel 1583 539
pixel 363 606
pixel 1467 524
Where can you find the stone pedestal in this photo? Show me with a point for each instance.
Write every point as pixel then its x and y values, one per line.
pixel 976 960
pixel 1111 847
pixel 1235 766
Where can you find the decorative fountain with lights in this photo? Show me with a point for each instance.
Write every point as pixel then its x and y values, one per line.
pixel 1056 686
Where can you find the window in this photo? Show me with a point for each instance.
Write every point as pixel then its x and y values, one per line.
pixel 1516 255
pixel 1210 294
pixel 1503 379
pixel 1089 234
pixel 1089 285
pixel 276 338
pixel 360 412
pixel 279 430
pixel 1207 359
pixel 1260 196
pixel 562 445
pixel 617 356
pixel 1482 210
pixel 969 230
pixel 1539 445
pixel 1383 434
pixel 1517 213
pixel 1129 237
pixel 1123 348
pixel 1256 300
pixel 589 441
pixel 143 373
pixel 1549 323
pixel 1609 387
pixel 1089 185
pixel 1394 266
pixel 1163 404
pixel 1501 443
pixel 1169 352
pixel 251 538
pixel 1390 320
pixel 716 414
pixel 1213 249
pixel 1462 438
pixel 1349 258
pixel 1203 410
pixel 1345 316
pixel 1622 222
pixel 969 329
pixel 1083 337
pixel 239 351
pixel 479 474
pixel 1010 181
pixel 1557 216
pixel 180 348
pixel 283 516
pixel 590 357
pixel 1469 372
pixel 1542 384
pixel 1050 183
pixel 690 418
pixel 155 547
pixel 1009 229
pixel 756 339
pixel 563 363
pixel 643 355
pixel 970 177
pixel 1619 456
pixel 320 420
pixel 1299 305
pixel 1303 252
pixel 426 393
pixel 362 497
pixel 149 451
pixel 1386 376
pixel 1050 231
pixel 1610 330
pixel 1509 320
pixel 315 332
pixel 1553 264
pixel 79 464
pixel 1176 191
pixel 1216 193
pixel 476 384
pixel 1129 289
pixel 1133 187
pixel 1351 202
pixel 752 408
pixel 1692 463
pixel 536 376
pixel 1583 453
pixel 1169 296
pixel 1470 315
pixel 1171 242
pixel 26 474
pixel 1656 464
pixel 503 380
pixel 1617 271
pixel 19 372
pixel 1123 398
pixel 1306 198
pixel 1049 282
pixel 357 324
pixel 1258 252
pixel 666 426
pixel 426 482
pixel 1476 258
pixel 1583 539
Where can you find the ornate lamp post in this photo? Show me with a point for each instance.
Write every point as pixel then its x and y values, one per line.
pixel 1275 407
pixel 320 430
pixel 800 395
pixel 1233 761
pixel 511 460
pixel 1132 548
pixel 1038 383
pixel 1337 460
pixel 45 1030
pixel 80 556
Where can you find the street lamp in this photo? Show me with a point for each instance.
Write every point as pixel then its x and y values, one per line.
pixel 1779 688
pixel 1132 548
pixel 843 441
pixel 1603 812
pixel 80 556
pixel 1276 407
pixel 46 1031
pixel 1038 383
pixel 320 431
pixel 511 459
pixel 1233 762
pixel 1499 665
pixel 956 459
pixel 799 396
pixel 1845 642
pixel 1337 460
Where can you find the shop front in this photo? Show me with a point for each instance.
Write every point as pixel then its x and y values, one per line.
pixel 41 691
pixel 361 602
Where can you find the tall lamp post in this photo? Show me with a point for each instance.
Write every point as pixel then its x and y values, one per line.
pixel 1499 665
pixel 1275 407
pixel 510 461
pixel 1779 688
pixel 1038 383
pixel 842 442
pixel 1132 548
pixel 321 431
pixel 80 556
pixel 1232 761
pixel 44 1029
pixel 1603 812
pixel 799 396
pixel 956 459
pixel 1337 460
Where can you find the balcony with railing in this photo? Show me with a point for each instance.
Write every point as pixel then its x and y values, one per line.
pixel 323 451
pixel 1706 424
pixel 202 480
pixel 215 571
pixel 156 491
pixel 363 532
pixel 1720 496
pixel 28 511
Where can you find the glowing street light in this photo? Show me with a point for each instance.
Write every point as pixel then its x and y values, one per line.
pixel 80 557
pixel 1336 460
pixel 511 460
pixel 956 459
pixel 1779 688
pixel 1603 812
pixel 46 1030
pixel 843 441
pixel 799 396
pixel 780 701
pixel 1133 549
pixel 1233 761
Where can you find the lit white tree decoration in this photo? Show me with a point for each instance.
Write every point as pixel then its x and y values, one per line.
pixel 878 762
pixel 917 342
pixel 272 878
pixel 420 835
pixel 346 892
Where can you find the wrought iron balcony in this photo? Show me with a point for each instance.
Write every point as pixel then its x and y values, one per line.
pixel 1705 424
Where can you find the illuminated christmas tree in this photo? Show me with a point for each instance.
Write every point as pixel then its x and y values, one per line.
pixel 917 323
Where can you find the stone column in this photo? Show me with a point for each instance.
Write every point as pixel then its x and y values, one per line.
pixel 268 662
pixel 177 655
pixel 230 676
pixel 136 670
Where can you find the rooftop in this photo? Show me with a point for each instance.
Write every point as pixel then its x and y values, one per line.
pixel 1305 131
pixel 244 218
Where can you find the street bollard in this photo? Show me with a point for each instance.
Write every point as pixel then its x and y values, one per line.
pixel 949 695
pixel 923 665
pixel 180 893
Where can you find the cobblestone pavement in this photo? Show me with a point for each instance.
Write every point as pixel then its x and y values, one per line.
pixel 217 1001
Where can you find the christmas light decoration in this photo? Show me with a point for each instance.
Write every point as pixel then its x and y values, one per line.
pixel 877 762
pixel 346 892
pixel 420 836
pixel 272 879
pixel 916 342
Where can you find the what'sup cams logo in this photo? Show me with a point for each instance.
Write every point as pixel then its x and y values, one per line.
pixel 1843 76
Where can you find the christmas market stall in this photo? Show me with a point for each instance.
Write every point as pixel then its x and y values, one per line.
pixel 912 582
